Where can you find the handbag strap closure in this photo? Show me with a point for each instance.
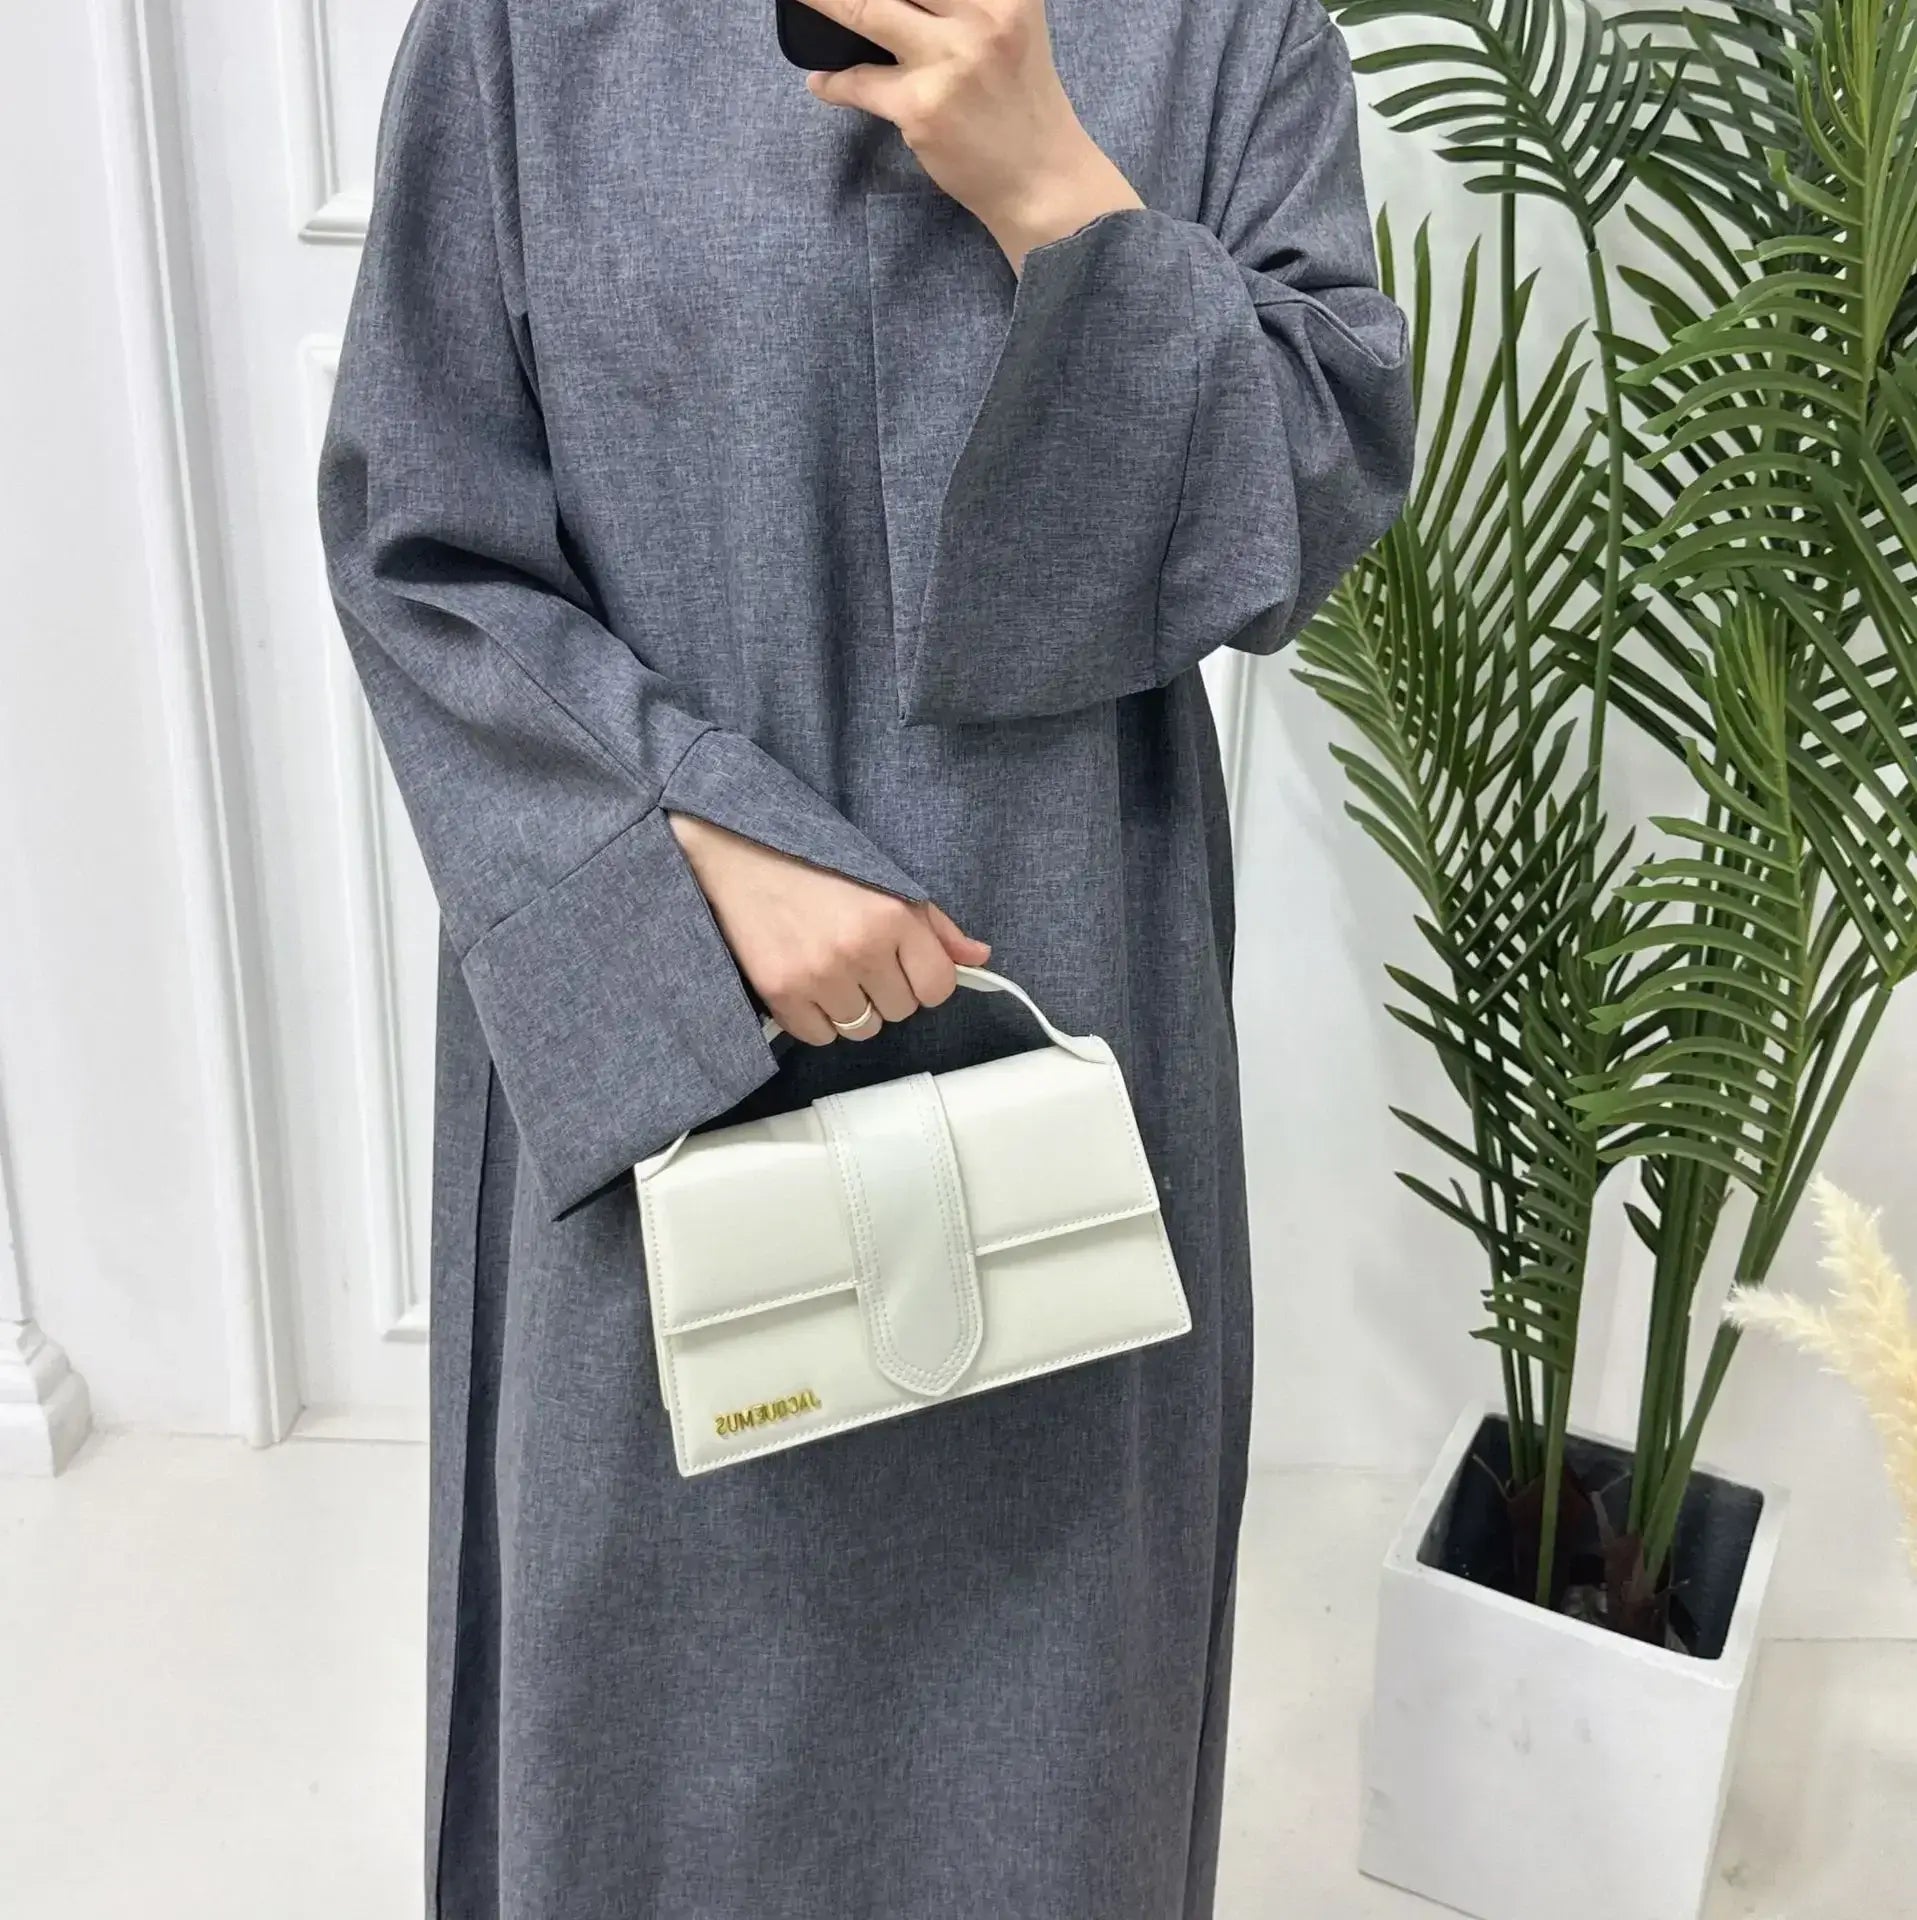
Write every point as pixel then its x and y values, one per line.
pixel 912 1259
pixel 979 980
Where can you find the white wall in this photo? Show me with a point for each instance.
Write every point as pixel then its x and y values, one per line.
pixel 99 1079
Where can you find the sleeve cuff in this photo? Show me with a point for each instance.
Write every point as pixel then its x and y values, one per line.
pixel 615 1013
pixel 1043 589
pixel 734 783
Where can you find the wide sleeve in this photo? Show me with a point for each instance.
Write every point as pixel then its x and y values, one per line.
pixel 1191 429
pixel 536 753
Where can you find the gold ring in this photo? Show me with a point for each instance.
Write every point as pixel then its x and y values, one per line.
pixel 850 1027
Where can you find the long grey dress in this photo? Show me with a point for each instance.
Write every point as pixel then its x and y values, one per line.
pixel 691 450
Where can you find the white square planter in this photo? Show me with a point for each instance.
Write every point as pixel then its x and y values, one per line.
pixel 1521 1765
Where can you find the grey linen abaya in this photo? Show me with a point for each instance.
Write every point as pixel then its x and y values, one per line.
pixel 692 451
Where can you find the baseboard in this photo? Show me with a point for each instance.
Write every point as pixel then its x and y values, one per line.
pixel 379 1425
pixel 44 1415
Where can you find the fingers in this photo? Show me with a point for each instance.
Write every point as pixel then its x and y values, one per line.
pixel 859 1008
pixel 902 961
pixel 806 1021
pixel 898 26
pixel 870 88
pixel 888 988
pixel 880 992
pixel 961 947
pixel 927 965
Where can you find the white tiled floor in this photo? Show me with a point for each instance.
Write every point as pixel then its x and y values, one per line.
pixel 210 1704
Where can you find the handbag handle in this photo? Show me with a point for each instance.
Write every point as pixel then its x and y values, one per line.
pixel 979 980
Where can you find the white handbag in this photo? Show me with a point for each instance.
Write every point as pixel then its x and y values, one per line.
pixel 885 1249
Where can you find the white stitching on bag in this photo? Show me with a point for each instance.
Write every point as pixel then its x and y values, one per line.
pixel 958 1250
pixel 752 1307
pixel 921 1092
pixel 864 1253
pixel 1065 1226
pixel 845 1283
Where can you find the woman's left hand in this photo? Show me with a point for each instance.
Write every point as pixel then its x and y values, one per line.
pixel 979 101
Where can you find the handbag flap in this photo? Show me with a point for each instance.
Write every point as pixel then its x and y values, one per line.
pixel 755 1216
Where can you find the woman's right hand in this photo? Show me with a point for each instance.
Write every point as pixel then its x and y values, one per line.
pixel 816 946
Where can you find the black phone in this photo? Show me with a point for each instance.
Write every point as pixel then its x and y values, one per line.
pixel 809 39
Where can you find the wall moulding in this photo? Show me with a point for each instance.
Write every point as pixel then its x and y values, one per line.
pixel 369 914
pixel 43 1403
pixel 326 212
pixel 168 430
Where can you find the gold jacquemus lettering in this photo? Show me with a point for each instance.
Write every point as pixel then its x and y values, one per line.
pixel 768 1411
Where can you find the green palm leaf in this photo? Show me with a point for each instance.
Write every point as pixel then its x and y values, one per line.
pixel 1465 779
pixel 1739 105
pixel 1534 97
pixel 1805 367
pixel 1716 1013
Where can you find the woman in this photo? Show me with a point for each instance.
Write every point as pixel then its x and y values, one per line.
pixel 777 523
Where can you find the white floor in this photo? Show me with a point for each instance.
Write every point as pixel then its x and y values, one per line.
pixel 210 1704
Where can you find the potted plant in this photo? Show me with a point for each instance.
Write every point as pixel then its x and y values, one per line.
pixel 1697 522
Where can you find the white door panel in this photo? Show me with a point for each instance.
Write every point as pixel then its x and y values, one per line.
pixel 280 106
pixel 335 57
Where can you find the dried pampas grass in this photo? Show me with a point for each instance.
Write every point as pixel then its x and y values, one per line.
pixel 1865 1332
